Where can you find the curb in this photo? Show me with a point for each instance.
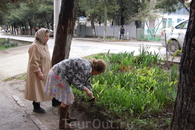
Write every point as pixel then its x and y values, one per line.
pixel 88 39
pixel 36 121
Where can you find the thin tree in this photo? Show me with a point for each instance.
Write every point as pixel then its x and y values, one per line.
pixel 184 109
pixel 97 10
pixel 64 31
pixel 90 7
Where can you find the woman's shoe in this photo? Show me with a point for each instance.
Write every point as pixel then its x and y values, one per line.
pixel 55 102
pixel 37 107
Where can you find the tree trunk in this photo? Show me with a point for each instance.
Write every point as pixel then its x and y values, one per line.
pixel 92 25
pixel 30 27
pixel 47 24
pixel 184 109
pixel 64 31
pixel 105 21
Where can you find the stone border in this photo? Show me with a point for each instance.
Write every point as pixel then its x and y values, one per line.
pixel 33 118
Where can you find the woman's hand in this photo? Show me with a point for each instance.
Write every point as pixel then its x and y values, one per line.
pixel 88 92
pixel 40 75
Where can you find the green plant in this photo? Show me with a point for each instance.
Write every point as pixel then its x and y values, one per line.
pixel 2 48
pixel 2 41
pixel 18 77
pixel 134 85
pixel 7 43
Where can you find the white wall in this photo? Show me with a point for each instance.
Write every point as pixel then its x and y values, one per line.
pixel 111 31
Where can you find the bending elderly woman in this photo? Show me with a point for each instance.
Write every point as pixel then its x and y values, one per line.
pixel 76 72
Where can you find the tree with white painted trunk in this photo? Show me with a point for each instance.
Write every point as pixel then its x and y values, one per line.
pixel 65 30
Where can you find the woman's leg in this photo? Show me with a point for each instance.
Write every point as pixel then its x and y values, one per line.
pixel 63 114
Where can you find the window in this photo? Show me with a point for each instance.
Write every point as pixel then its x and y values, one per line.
pixel 164 22
pixel 182 25
pixel 179 20
pixel 169 22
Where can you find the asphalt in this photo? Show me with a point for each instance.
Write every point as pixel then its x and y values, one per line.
pixel 13 61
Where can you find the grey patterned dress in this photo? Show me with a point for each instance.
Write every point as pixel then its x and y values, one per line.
pixel 75 71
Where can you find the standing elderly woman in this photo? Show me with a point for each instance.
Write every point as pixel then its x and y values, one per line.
pixel 39 64
pixel 76 72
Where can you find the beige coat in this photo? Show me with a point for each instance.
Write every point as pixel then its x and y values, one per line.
pixel 39 59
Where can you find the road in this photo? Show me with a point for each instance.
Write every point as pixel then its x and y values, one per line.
pixel 13 61
pixel 88 46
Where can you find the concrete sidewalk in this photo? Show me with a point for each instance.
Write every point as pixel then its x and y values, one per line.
pixel 13 116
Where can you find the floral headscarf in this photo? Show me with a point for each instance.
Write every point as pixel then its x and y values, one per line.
pixel 40 35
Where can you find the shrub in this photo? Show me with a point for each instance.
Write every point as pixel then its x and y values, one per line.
pixel 7 43
pixel 2 41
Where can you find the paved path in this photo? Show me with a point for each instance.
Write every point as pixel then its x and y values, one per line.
pixel 13 116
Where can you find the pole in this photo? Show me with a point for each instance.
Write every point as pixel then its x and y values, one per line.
pixel 166 50
pixel 57 7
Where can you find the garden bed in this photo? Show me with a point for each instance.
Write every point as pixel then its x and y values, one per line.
pixel 136 90
pixel 6 43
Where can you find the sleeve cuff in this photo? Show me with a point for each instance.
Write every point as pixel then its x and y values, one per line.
pixel 37 70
